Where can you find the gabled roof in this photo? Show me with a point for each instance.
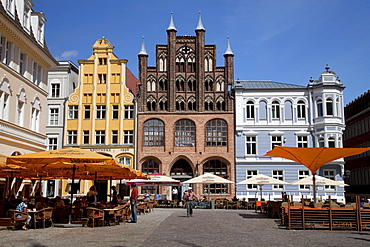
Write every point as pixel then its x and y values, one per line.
pixel 264 85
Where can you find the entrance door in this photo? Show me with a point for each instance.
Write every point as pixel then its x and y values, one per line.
pixel 181 171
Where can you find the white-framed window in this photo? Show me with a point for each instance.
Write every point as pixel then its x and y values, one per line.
pixel 329 107
pixel 330 174
pixel 86 137
pixel 87 111
pixel 34 73
pixel 100 111
pixel 114 136
pixel 275 110
pixel 129 112
pixel 22 58
pixel 4 105
pixel 251 145
pixel 35 119
pixel 319 108
pixel 20 113
pixel 331 142
pixel 55 90
pixel 250 110
pixel 100 137
pixel 53 143
pixel 276 141
pixel 114 111
pixel 125 160
pixel 302 141
pixel 251 173
pixel 72 111
pixel 301 109
pixel 303 174
pixel 72 137
pixel 321 141
pixel 26 17
pixel 128 136
pixel 278 174
pixel 54 116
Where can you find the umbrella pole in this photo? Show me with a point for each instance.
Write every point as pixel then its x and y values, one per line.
pixel 72 188
pixel 261 191
pixel 95 178
pixel 314 188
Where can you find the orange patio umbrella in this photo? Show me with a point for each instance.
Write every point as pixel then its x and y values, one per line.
pixel 314 158
pixel 65 162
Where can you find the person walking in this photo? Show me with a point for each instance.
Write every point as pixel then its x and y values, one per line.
pixel 189 197
pixel 133 202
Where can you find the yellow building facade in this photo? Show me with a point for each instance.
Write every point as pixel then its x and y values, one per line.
pixel 100 113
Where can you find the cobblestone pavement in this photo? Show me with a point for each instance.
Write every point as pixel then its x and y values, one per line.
pixel 171 227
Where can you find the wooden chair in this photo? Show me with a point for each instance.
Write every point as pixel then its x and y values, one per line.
pixel 141 208
pixel 94 215
pixel 45 214
pixel 16 222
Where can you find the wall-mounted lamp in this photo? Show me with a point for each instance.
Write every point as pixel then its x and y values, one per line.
pixel 284 140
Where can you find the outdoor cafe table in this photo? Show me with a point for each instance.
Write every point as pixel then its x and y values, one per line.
pixel 32 213
pixel 108 213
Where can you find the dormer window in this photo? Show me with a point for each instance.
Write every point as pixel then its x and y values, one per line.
pixel 40 32
pixel 26 17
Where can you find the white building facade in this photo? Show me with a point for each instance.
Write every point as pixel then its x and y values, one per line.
pixel 271 113
pixel 62 82
pixel 24 64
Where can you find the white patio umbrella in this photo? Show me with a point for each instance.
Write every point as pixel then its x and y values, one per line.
pixel 319 181
pixel 261 179
pixel 208 178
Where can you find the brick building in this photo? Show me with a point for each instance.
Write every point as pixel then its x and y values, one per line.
pixel 357 135
pixel 186 112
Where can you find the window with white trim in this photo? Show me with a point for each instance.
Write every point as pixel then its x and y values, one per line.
pixel 87 112
pixel 275 110
pixel 250 110
pixel 100 111
pixel 319 108
pixel 128 137
pixel 301 110
pixel 72 111
pixel 55 90
pixel 54 116
pixel 331 142
pixel 302 141
pixel 53 144
pixel 321 141
pixel 114 111
pixel 276 141
pixel 129 112
pixel 329 107
pixel 330 174
pixel 303 174
pixel 125 160
pixel 251 173
pixel 251 145
pixel 114 136
pixel 72 137
pixel 99 136
pixel 86 137
pixel 278 174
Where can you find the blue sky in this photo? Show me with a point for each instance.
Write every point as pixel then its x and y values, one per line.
pixel 280 40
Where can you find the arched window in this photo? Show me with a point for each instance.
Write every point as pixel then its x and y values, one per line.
pixel 191 84
pixel 288 109
pixel 192 106
pixel 220 84
pixel 153 132
pixel 263 110
pixel 180 104
pixel 163 84
pixel 191 63
pixel 35 115
pixel 208 62
pixel 329 107
pixel 162 62
pixel 208 84
pixel 216 133
pixel 180 84
pixel 337 107
pixel 218 168
pixel 250 110
pixel 151 104
pixel 275 110
pixel 4 100
pixel 151 87
pixel 150 167
pixel 331 142
pixel 319 108
pixel 321 141
pixel 126 160
pixel 180 64
pixel 163 104
pixel 185 133
pixel 220 104
pixel 208 104
pixel 301 109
